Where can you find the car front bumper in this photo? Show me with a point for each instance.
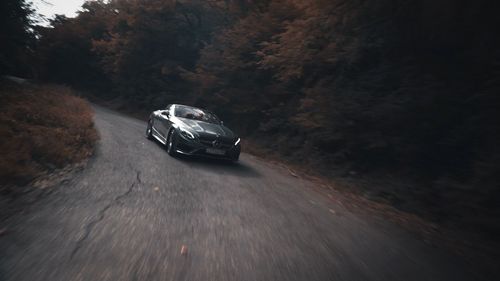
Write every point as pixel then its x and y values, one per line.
pixel 196 148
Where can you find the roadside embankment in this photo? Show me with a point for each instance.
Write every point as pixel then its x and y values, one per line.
pixel 43 128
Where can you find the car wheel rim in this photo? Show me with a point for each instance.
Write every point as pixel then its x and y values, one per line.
pixel 148 131
pixel 169 143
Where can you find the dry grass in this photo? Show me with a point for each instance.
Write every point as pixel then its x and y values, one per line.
pixel 42 128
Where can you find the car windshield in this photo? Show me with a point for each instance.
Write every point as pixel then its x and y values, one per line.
pixel 195 114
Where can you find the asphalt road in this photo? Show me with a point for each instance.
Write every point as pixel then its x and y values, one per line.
pixel 136 213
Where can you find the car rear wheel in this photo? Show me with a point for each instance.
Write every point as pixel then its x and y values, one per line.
pixel 149 130
pixel 171 143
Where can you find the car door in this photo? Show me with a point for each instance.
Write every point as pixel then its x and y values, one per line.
pixel 164 121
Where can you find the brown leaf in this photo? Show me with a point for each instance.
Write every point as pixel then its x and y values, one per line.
pixel 184 250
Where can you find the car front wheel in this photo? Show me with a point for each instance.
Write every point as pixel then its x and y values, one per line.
pixel 171 143
pixel 149 130
pixel 236 158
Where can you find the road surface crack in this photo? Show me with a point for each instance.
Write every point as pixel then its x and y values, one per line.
pixel 102 213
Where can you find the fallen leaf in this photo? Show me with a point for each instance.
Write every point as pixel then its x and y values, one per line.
pixel 184 250
pixel 292 173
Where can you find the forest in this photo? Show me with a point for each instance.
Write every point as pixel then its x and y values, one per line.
pixel 382 88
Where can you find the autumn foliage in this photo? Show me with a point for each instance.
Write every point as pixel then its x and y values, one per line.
pixel 42 128
pixel 405 88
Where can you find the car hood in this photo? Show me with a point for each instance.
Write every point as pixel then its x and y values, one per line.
pixel 204 128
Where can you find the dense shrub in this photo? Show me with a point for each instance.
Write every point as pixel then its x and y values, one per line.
pixel 42 128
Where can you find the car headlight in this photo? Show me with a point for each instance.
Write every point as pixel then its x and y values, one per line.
pixel 187 135
pixel 237 141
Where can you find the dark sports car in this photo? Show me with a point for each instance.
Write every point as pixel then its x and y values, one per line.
pixel 193 131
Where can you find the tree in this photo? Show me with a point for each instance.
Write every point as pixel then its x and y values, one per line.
pixel 16 37
pixel 64 49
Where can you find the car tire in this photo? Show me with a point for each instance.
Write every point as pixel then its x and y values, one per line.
pixel 171 143
pixel 236 158
pixel 149 130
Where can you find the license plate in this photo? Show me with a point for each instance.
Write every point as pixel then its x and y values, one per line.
pixel 216 151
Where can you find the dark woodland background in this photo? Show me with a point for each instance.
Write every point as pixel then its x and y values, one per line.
pixel 390 88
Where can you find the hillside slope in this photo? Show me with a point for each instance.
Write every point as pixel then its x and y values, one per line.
pixel 42 127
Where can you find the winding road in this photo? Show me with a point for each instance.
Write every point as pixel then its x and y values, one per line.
pixel 134 213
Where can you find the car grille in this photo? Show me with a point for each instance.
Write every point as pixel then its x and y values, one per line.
pixel 223 143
